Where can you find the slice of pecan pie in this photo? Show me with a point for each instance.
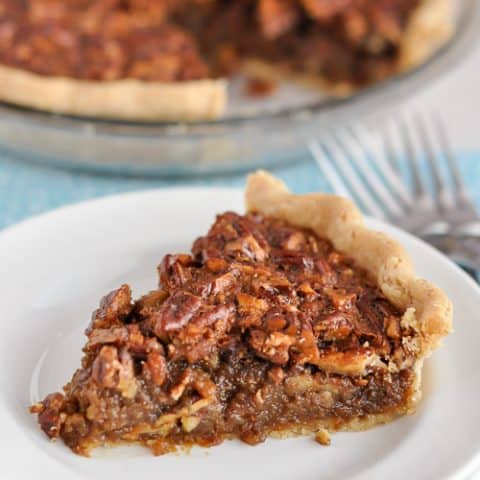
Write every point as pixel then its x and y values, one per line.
pixel 293 318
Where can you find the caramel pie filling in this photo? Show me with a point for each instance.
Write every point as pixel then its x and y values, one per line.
pixel 262 329
pixel 355 41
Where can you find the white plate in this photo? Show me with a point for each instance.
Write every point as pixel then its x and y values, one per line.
pixel 55 268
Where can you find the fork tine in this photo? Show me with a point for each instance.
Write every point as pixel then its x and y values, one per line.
pixel 386 135
pixel 342 163
pixel 377 151
pixel 439 185
pixel 323 161
pixel 459 189
pixel 359 156
pixel 419 190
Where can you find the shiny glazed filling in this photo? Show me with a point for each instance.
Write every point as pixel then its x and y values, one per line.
pixel 263 328
pixel 344 40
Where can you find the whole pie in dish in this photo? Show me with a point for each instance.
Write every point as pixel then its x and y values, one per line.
pixel 169 60
pixel 294 318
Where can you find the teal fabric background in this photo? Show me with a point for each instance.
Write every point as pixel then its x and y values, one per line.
pixel 28 189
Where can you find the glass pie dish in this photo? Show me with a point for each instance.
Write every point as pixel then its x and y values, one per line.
pixel 254 132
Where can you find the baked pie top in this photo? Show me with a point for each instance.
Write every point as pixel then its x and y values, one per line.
pixel 98 40
pixel 123 57
pixel 293 316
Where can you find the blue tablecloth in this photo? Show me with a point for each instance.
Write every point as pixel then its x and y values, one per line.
pixel 28 189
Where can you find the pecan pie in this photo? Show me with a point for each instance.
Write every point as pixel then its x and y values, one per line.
pixel 168 60
pixel 293 318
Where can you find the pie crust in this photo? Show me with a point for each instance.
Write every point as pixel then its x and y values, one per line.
pixel 196 100
pixel 255 334
pixel 121 99
pixel 427 309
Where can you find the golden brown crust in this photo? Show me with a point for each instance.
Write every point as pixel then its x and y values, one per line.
pixel 122 99
pixel 430 26
pixel 427 308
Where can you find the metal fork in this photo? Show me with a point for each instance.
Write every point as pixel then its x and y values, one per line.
pixel 365 161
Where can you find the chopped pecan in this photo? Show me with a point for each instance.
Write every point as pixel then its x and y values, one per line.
pixel 290 259
pixel 306 289
pixel 322 437
pixel 351 362
pixel 299 384
pixel 386 28
pixel 50 414
pixel 114 307
pixel 369 323
pixel 174 270
pixel 294 241
pixel 102 336
pixel 271 285
pixel 324 10
pixel 247 248
pixel 392 327
pixel 224 282
pixel 114 369
pixel 150 303
pixel 277 375
pixel 285 331
pixel 275 322
pixel 334 326
pixel 200 337
pixel 273 346
pixel 197 380
pixel 174 313
pixel 190 423
pixel 156 368
pixel 325 399
pixel 77 424
pixel 277 17
pixel 259 397
pixel 341 299
pixel 128 335
pixel 306 348
pixel 355 26
pixel 216 265
pixel 328 274
pixel 335 259
pixel 250 304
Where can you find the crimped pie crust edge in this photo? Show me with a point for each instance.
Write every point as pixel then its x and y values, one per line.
pixel 427 308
